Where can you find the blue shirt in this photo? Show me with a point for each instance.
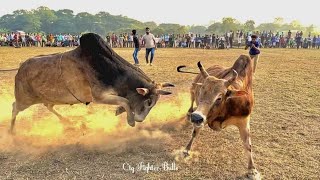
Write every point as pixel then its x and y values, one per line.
pixel 253 51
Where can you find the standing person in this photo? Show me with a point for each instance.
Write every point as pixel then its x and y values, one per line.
pixel 309 39
pixel 113 40
pixel 213 41
pixel 318 42
pixel 231 39
pixel 239 39
pixel 136 47
pixel 298 39
pixel 149 42
pixel 254 51
pixel 130 40
pixel 314 39
pixel 108 39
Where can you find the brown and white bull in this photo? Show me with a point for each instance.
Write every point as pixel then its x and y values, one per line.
pixel 92 72
pixel 224 97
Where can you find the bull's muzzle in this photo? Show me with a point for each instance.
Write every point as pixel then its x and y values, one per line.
pixel 196 118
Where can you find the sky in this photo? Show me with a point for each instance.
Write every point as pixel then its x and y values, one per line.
pixel 188 12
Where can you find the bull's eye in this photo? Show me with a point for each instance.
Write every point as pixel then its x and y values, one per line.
pixel 228 93
pixel 218 100
pixel 148 103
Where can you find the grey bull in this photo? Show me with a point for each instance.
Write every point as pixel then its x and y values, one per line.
pixel 92 72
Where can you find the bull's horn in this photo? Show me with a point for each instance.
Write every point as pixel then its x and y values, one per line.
pixel 233 78
pixel 202 70
pixel 167 85
pixel 163 92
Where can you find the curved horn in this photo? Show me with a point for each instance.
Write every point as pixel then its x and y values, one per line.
pixel 167 84
pixel 163 92
pixel 183 66
pixel 202 70
pixel 233 78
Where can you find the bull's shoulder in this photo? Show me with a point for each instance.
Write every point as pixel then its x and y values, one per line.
pixel 239 105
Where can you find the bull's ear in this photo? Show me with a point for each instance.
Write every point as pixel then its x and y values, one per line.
pixel 232 79
pixel 235 93
pixel 197 84
pixel 142 91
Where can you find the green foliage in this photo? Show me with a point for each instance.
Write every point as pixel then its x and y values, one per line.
pixel 216 28
pixel 249 25
pixel 3 30
pixel 198 29
pixel 151 24
pixel 46 20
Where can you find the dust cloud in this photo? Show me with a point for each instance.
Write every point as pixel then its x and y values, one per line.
pixel 38 130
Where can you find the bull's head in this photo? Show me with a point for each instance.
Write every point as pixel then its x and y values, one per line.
pixel 212 96
pixel 142 101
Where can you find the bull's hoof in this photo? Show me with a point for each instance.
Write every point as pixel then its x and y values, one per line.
pixel 253 174
pixel 185 153
pixel 12 132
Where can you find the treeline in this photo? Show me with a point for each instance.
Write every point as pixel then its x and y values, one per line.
pixel 46 20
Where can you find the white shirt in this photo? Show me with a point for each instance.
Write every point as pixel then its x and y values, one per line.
pixel 149 40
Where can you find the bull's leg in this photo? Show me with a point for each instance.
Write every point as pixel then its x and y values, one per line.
pixel 195 132
pixel 50 108
pixel 191 107
pixel 15 112
pixel 62 119
pixel 245 136
pixel 16 108
pixel 117 100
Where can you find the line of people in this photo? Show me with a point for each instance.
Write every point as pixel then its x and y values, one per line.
pixel 207 41
pixel 22 39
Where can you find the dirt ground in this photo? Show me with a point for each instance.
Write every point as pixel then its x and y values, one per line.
pixel 285 125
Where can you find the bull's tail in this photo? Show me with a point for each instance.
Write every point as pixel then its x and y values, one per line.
pixel 13 69
pixel 5 70
pixel 183 66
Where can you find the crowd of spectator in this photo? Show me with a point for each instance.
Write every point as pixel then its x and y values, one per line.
pixel 228 40
pixel 21 39
pixel 231 39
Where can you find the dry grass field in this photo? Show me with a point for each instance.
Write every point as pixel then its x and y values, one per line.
pixel 285 125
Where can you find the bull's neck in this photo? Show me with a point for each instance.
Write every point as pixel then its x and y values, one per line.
pixel 128 83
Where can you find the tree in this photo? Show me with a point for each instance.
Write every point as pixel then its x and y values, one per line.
pixel 198 29
pixel 296 25
pixel 152 25
pixel 173 28
pixel 47 18
pixel 158 31
pixel 249 25
pixel 278 21
pixel 267 27
pixel 85 22
pixel 310 29
pixel 229 23
pixel 216 28
pixel 65 22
